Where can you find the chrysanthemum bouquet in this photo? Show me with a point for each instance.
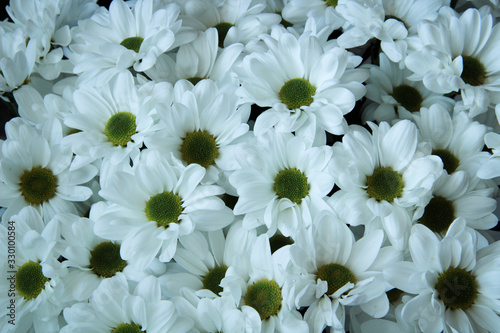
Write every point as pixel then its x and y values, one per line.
pixel 250 166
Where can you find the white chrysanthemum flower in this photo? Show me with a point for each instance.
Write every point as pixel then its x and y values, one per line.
pixel 388 21
pixel 297 12
pixel 257 292
pixel 200 59
pixel 393 93
pixel 206 257
pixel 383 177
pixel 491 168
pixel 32 280
pixel 112 41
pixel 114 309
pixel 455 281
pixel 112 121
pixel 459 52
pixel 454 197
pixel 90 259
pixel 236 21
pixel 36 171
pixel 17 59
pixel 282 183
pixel 201 127
pixel 309 87
pixel 155 204
pixel 331 271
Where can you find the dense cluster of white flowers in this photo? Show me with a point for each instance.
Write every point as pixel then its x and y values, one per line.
pixel 197 166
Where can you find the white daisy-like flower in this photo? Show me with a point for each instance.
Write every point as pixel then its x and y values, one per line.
pixel 383 177
pixel 297 12
pixel 282 183
pixel 388 21
pixel 309 87
pixel 114 309
pixel 201 127
pixel 491 168
pixel 111 121
pixel 393 93
pixel 112 41
pixel 90 259
pixel 36 171
pixel 331 271
pixel 155 204
pixel 200 59
pixel 459 53
pixel 32 279
pixel 454 280
pixel 257 292
pixel 206 257
pixel 455 197
pixel 236 21
pixel 17 59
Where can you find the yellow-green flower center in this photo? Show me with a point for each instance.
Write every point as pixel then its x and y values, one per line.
pixel 450 161
pixel 408 97
pixel 105 259
pixel 132 43
pixel 38 185
pixel 199 147
pixel 212 280
pixel 278 241
pixel 120 128
pixel 30 280
pixel 438 214
pixel 292 184
pixel 164 208
pixel 222 29
pixel 265 297
pixel 332 3
pixel 457 288
pixel 384 184
pixel 127 328
pixel 473 71
pixel 296 93
pixel 336 276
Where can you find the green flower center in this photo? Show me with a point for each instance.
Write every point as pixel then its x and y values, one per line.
pixel 132 43
pixel 222 29
pixel 120 128
pixel 164 208
pixel 195 80
pixel 408 97
pixel 30 280
pixel 127 328
pixel 336 276
pixel 438 214
pixel 265 297
pixel 292 184
pixel 199 147
pixel 384 184
pixel 296 93
pixel 473 71
pixel 457 288
pixel 38 185
pixel 450 161
pixel 212 280
pixel 105 259
pixel 332 3
pixel 278 241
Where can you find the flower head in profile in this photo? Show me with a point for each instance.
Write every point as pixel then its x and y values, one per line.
pixel 453 281
pixel 154 204
pixel 309 86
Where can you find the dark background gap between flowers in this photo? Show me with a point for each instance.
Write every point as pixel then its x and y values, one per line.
pixel 353 117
